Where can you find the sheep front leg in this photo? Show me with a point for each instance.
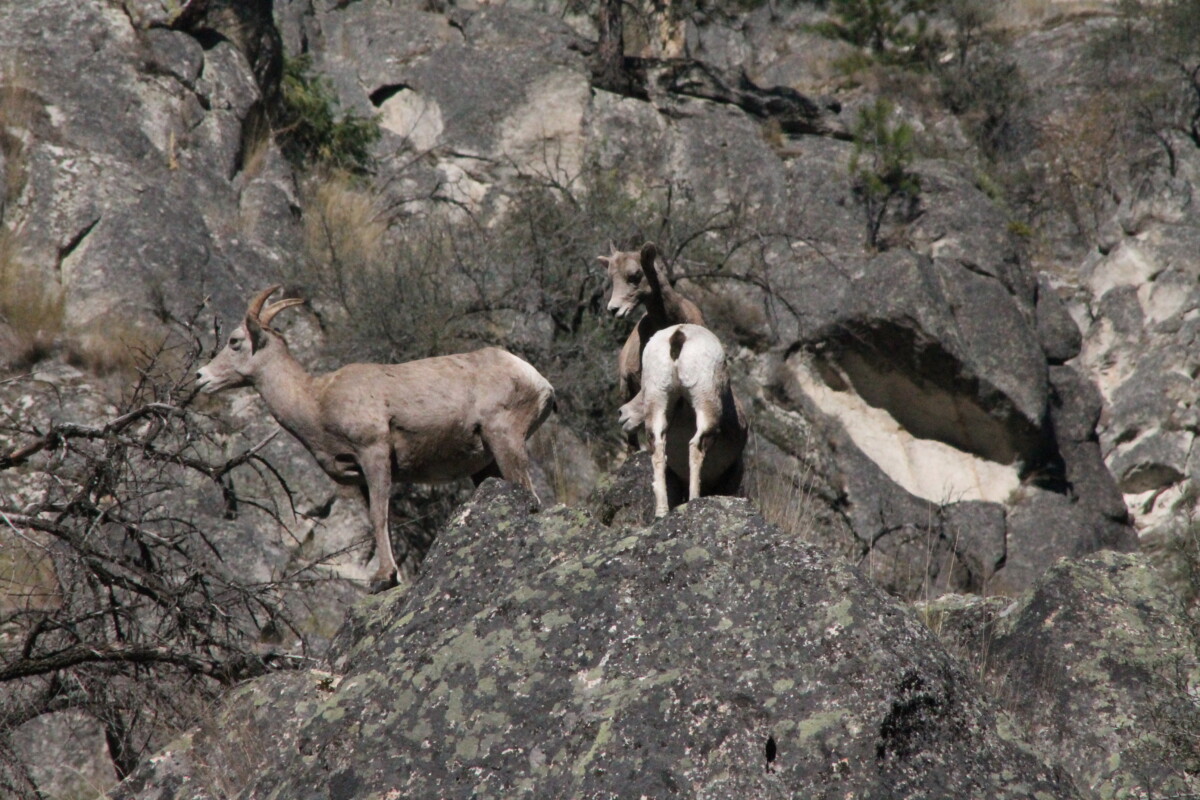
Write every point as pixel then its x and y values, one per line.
pixel 512 459
pixel 377 468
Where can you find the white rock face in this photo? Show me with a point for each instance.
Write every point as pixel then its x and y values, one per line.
pixel 1140 324
pixel 544 136
pixel 927 468
pixel 1127 265
pixel 418 119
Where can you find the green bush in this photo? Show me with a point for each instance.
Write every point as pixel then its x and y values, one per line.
pixel 879 165
pixel 894 31
pixel 309 129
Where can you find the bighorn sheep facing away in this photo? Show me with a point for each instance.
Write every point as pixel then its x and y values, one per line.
pixel 367 425
pixel 686 364
pixel 639 279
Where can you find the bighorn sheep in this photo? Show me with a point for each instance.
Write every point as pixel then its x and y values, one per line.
pixel 686 364
pixel 639 279
pixel 367 425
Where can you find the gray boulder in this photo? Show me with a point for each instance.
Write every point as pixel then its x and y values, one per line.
pixel 1098 662
pixel 705 656
pixel 129 188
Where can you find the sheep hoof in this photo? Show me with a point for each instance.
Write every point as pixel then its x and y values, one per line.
pixel 382 584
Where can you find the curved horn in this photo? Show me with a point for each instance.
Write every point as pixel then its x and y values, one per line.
pixel 257 303
pixel 269 314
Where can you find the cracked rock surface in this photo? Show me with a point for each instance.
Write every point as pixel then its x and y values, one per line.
pixel 706 655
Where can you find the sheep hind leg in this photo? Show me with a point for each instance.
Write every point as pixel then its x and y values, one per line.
pixel 512 459
pixel 706 431
pixel 377 467
pixel 656 436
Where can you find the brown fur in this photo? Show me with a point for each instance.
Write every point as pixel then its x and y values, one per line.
pixel 368 425
pixel 641 279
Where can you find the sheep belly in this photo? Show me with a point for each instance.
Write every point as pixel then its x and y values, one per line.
pixel 438 452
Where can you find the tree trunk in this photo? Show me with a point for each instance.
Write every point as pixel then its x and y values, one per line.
pixel 609 68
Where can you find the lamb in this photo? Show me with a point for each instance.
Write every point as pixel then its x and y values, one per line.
pixel 367 425
pixel 685 364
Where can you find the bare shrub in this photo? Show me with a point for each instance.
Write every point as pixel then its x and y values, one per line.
pixel 1090 157
pixel 117 599
pixel 1150 60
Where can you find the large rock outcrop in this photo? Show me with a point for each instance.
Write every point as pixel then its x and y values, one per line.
pixel 1120 237
pixel 935 375
pixel 1098 662
pixel 708 655
pixel 139 176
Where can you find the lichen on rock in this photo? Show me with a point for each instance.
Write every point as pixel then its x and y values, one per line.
pixel 706 655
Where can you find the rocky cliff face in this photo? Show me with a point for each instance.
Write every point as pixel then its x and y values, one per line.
pixel 138 171
pixel 709 655
pixel 951 411
pixel 950 427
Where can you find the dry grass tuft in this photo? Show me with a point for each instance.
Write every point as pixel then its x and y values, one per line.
pixel 784 499
pixel 113 345
pixel 31 312
pixel 19 109
pixel 27 578
pixel 568 462
pixel 343 231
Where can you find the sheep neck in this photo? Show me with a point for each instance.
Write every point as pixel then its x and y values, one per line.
pixel 287 389
pixel 664 307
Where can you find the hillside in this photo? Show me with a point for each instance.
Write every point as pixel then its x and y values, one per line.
pixel 949 247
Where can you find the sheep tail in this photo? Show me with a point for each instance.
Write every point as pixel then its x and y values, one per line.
pixel 677 340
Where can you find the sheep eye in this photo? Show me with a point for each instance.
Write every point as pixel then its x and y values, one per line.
pixel 635 278
pixel 235 344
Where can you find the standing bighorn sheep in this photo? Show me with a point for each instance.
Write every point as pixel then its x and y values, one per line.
pixel 685 364
pixel 640 279
pixel 367 425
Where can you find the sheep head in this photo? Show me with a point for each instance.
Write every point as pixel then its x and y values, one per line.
pixel 634 277
pixel 251 345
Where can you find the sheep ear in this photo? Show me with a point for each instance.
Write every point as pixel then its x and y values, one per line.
pixel 649 253
pixel 258 337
